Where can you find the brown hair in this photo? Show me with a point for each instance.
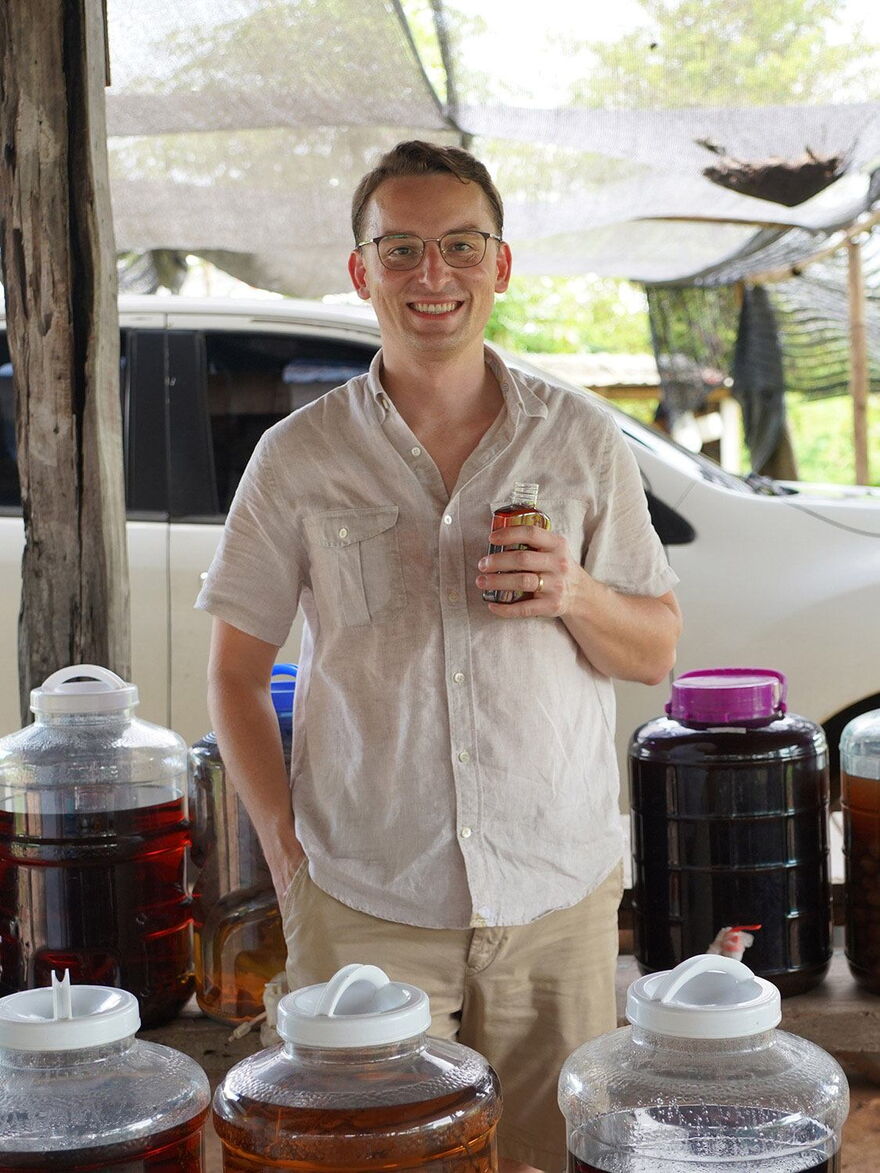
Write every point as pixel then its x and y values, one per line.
pixel 419 158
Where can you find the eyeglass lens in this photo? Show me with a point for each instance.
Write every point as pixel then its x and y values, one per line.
pixel 459 249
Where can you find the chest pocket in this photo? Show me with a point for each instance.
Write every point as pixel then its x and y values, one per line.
pixel 357 575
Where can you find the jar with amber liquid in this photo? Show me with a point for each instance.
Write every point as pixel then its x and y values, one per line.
pixel 521 510
pixel 860 800
pixel 357 1085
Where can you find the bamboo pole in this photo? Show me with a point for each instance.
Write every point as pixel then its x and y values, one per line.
pixel 858 362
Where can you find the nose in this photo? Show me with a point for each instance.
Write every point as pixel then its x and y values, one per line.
pixel 433 265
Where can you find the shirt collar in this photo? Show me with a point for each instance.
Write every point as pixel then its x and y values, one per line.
pixel 518 396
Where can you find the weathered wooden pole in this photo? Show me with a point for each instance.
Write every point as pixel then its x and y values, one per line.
pixel 858 360
pixel 59 274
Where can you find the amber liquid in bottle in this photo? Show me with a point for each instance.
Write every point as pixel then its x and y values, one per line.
pixel 103 895
pixel 174 1150
pixel 860 800
pixel 522 510
pixel 452 1134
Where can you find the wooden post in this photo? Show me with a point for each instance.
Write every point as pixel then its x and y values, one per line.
pixel 858 361
pixel 59 274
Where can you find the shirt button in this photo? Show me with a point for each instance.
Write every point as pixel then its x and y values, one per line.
pixel 343 533
pixel 464 756
pixel 465 832
pixel 447 520
pixel 416 451
pixel 459 678
pixel 452 596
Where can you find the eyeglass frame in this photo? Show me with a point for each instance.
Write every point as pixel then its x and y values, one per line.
pixel 487 236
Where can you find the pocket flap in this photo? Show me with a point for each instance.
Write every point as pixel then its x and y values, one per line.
pixel 343 527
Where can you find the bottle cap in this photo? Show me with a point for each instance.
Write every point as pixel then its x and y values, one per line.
pixel 67 1018
pixel 83 688
pixel 359 1007
pixel 727 696
pixel 283 690
pixel 706 997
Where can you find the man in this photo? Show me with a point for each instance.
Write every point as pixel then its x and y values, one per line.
pixel 454 783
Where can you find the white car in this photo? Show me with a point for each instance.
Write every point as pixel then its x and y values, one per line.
pixel 784 577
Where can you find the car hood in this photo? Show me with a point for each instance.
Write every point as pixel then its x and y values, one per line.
pixel 855 507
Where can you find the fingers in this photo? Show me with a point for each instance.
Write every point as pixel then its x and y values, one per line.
pixel 526 535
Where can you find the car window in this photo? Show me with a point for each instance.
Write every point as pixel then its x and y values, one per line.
pixel 254 380
pixel 10 490
pixel 10 495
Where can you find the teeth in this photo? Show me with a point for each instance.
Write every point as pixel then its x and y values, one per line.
pixel 433 307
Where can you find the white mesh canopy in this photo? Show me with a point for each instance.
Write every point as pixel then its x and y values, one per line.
pixel 239 129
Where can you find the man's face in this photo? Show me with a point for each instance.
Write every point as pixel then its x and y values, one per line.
pixel 433 309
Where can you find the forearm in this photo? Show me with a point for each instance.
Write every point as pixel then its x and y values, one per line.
pixel 628 637
pixel 249 739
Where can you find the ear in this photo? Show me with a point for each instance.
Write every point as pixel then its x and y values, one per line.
pixel 358 272
pixel 503 266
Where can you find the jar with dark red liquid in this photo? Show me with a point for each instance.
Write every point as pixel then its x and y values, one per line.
pixel 358 1085
pixel 238 941
pixel 702 1082
pixel 729 800
pixel 93 839
pixel 79 1093
pixel 860 801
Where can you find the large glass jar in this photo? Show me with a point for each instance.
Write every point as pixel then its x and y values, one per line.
pixel 357 1084
pixel 860 801
pixel 238 941
pixel 729 802
pixel 94 832
pixel 79 1093
pixel 703 1082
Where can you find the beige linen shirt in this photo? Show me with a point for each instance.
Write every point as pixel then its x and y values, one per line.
pixel 450 769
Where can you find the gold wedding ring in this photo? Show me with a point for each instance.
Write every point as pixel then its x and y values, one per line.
pixel 539 587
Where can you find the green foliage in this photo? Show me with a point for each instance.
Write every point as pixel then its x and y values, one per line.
pixel 561 315
pixel 732 52
pixel 822 435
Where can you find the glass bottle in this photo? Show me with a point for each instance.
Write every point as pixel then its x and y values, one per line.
pixel 860 802
pixel 703 1081
pixel 238 940
pixel 94 832
pixel 358 1085
pixel 522 510
pixel 79 1093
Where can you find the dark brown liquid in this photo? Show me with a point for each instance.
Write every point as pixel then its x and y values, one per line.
pixel 509 515
pixel 453 1134
pixel 103 895
pixel 176 1150
pixel 860 800
pixel 730 828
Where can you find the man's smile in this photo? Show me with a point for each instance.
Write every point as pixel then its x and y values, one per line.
pixel 434 307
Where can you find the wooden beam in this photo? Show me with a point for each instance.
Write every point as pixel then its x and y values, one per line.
pixel 858 360
pixel 59 273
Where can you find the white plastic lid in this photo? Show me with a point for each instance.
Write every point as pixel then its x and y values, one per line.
pixel 359 1007
pixel 706 997
pixel 65 691
pixel 66 1017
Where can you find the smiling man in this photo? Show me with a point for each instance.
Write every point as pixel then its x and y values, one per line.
pixel 454 786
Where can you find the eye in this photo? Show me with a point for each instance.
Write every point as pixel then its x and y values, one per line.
pixel 399 248
pixel 463 244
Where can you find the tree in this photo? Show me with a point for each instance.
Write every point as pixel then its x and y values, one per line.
pixel 59 277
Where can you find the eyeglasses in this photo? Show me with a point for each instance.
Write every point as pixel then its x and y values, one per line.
pixel 404 250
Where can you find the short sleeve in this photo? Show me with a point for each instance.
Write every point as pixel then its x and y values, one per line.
pixel 256 576
pixel 624 551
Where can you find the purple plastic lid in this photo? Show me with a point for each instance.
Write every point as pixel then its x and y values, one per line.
pixel 727 696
